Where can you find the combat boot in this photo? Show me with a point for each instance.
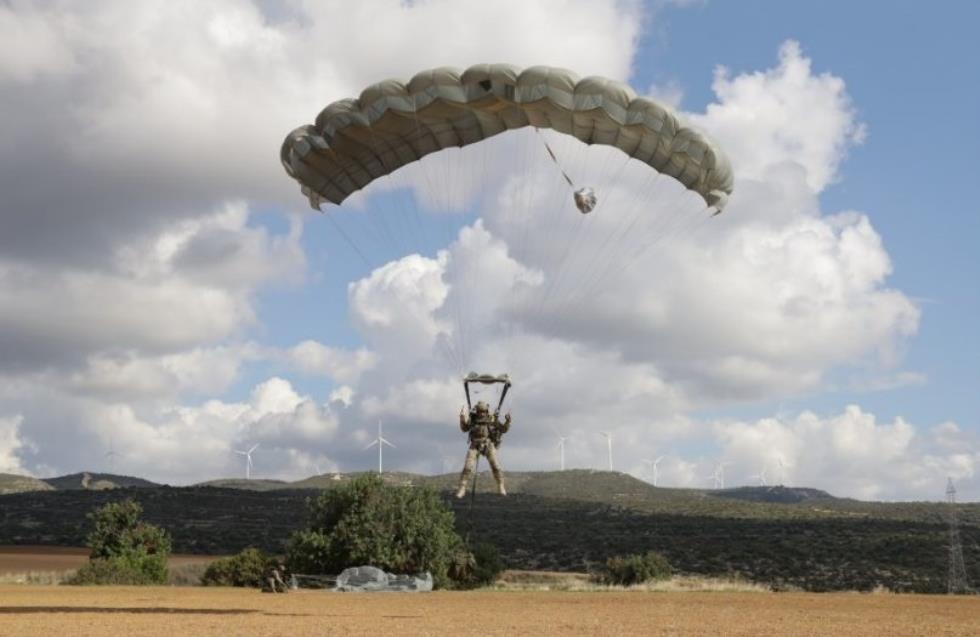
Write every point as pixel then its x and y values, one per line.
pixel 461 491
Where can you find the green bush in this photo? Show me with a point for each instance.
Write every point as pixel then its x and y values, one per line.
pixel 479 567
pixel 124 549
pixel 636 569
pixel 246 569
pixel 110 572
pixel 401 530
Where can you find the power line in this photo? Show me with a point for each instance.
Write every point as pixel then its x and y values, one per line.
pixel 956 580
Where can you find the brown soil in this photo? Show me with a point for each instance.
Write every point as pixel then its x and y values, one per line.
pixel 24 559
pixel 37 610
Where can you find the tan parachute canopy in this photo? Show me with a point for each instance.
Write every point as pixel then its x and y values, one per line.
pixel 355 141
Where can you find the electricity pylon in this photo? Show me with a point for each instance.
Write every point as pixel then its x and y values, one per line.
pixel 956 580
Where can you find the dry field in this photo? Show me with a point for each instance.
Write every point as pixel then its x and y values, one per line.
pixel 52 564
pixel 169 612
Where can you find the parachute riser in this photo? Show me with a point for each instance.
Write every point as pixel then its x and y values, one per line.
pixel 486 379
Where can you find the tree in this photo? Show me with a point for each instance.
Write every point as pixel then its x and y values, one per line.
pixel 124 549
pixel 402 530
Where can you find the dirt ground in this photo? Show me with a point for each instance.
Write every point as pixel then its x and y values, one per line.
pixel 101 611
pixel 20 559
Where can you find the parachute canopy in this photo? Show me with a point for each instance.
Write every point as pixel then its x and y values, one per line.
pixel 355 141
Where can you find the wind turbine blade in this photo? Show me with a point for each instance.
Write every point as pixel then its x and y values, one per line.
pixel 254 447
pixel 386 442
pixel 372 443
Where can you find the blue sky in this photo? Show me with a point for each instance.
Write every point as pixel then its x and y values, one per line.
pixel 186 301
pixel 911 72
pixel 917 100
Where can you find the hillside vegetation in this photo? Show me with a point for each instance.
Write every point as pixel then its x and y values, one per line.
pixel 12 483
pixel 572 521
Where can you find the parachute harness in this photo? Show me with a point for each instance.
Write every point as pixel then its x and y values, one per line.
pixel 585 198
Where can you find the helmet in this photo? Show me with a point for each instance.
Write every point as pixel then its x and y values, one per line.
pixel 482 407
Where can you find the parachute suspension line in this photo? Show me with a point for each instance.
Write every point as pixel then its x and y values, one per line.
pixel 630 224
pixel 402 213
pixel 554 202
pixel 627 218
pixel 563 297
pixel 455 342
pixel 667 223
pixel 689 229
pixel 572 245
pixel 554 158
pixel 469 515
pixel 418 229
pixel 347 238
pixel 626 222
pixel 529 180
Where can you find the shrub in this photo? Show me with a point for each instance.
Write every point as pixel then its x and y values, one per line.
pixel 479 567
pixel 110 572
pixel 636 569
pixel 124 549
pixel 246 569
pixel 402 530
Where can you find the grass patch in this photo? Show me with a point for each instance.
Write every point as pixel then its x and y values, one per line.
pixel 37 578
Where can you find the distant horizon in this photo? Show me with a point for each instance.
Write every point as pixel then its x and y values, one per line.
pixel 487 474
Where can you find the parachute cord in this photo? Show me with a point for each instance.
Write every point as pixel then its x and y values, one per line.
pixel 469 515
pixel 554 158
pixel 347 238
pixel 457 337
pixel 687 231
pixel 679 226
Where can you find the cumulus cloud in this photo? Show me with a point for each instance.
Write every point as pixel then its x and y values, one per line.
pixel 132 115
pixel 11 445
pixel 786 114
pixel 311 357
pixel 143 140
pixel 131 255
pixel 853 454
pixel 191 285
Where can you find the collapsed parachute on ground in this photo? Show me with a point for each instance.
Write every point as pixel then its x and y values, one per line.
pixel 391 124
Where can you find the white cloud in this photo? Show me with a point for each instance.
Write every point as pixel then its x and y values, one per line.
pixel 11 444
pixel 129 277
pixel 670 92
pixel 783 115
pixel 853 454
pixel 311 357
pixel 30 46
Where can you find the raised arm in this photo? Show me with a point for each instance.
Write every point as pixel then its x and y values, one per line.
pixel 464 420
pixel 503 426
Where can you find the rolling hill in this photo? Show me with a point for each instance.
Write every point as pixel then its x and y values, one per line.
pixel 98 481
pixel 567 521
pixel 12 483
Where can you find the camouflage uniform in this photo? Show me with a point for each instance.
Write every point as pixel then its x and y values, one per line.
pixel 274 579
pixel 485 431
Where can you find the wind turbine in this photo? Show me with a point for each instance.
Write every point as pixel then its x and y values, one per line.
pixel 656 472
pixel 381 442
pixel 111 455
pixel 761 476
pixel 718 477
pixel 561 450
pixel 248 460
pixel 782 470
pixel 608 446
